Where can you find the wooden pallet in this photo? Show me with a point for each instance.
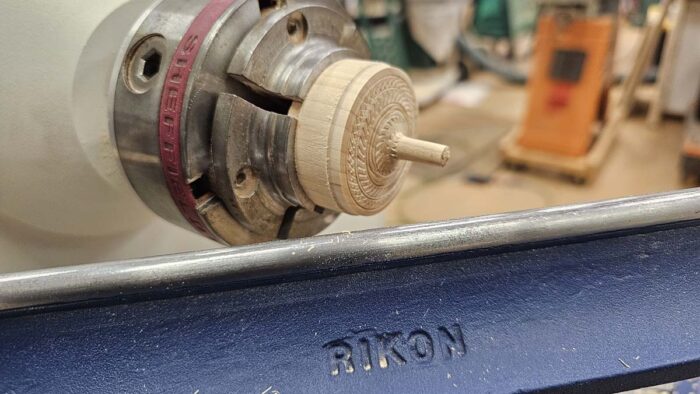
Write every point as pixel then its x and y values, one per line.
pixel 583 168
pixel 579 168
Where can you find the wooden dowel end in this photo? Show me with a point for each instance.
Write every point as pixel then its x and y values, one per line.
pixel 413 149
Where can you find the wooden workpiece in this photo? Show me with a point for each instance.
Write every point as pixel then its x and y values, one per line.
pixel 354 137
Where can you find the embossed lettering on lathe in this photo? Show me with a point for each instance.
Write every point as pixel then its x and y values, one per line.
pixel 368 350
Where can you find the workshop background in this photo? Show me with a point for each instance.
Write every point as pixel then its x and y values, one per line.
pixel 470 63
pixel 474 66
pixel 541 102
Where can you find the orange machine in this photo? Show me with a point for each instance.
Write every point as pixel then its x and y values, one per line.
pixel 568 86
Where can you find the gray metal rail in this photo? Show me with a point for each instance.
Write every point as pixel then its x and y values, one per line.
pixel 329 253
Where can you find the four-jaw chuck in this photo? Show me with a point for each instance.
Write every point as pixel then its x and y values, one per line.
pixel 249 121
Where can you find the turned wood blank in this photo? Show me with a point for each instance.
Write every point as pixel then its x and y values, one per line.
pixel 354 137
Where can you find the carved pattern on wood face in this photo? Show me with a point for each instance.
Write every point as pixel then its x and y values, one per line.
pixel 373 173
pixel 354 135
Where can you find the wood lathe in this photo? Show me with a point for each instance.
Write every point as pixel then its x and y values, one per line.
pixel 242 121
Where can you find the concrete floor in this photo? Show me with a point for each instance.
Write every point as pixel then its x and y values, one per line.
pixel 642 161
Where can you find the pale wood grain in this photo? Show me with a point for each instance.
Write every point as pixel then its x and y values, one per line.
pixel 354 136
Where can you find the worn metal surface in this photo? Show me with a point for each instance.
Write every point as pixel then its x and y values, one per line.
pixel 333 254
pixel 263 53
pixel 258 189
pixel 136 114
pixel 321 34
pixel 589 315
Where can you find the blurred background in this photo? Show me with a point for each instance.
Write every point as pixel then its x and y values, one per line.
pixel 545 102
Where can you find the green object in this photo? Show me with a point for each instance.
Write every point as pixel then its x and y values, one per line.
pixel 504 18
pixel 385 34
pixel 491 18
pixel 386 39
pixel 389 37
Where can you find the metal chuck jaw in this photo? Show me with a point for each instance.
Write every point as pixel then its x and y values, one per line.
pixel 248 121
